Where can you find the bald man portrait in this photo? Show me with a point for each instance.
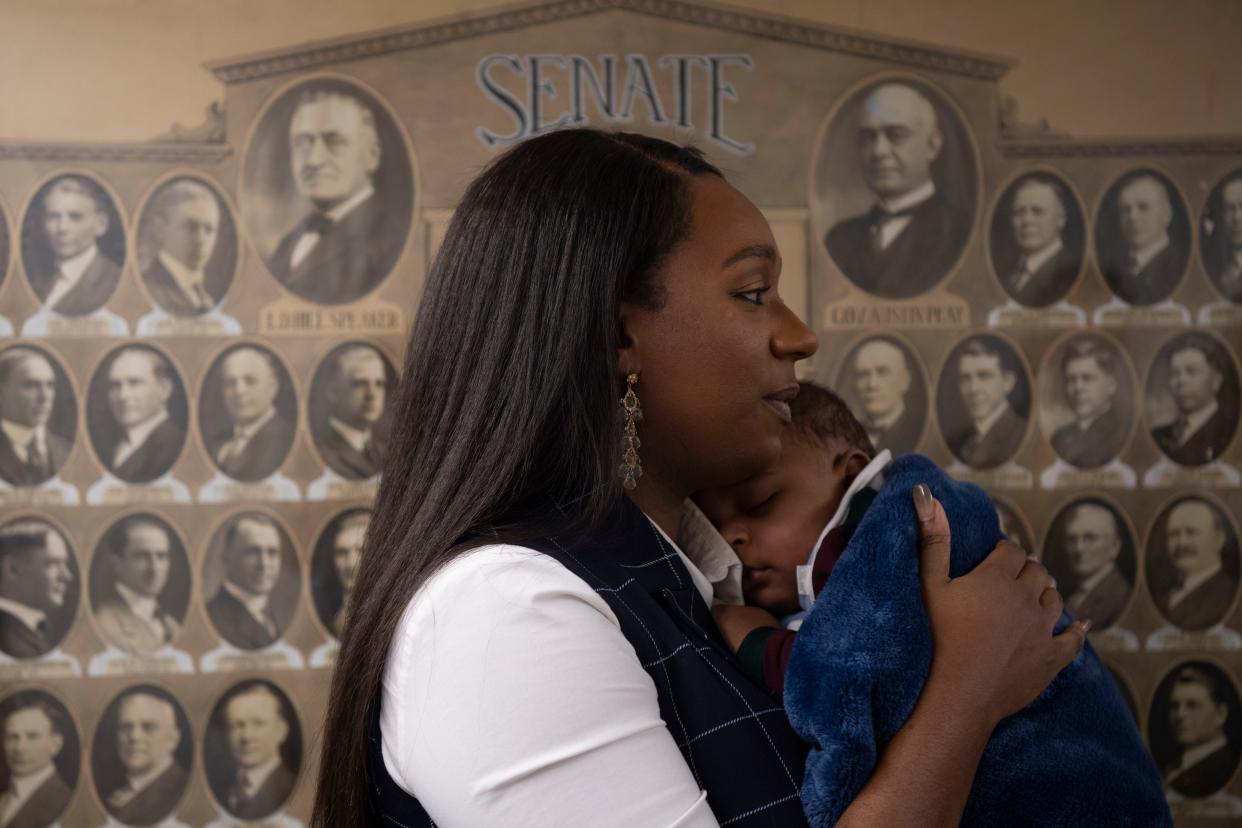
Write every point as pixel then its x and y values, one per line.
pixel 349 238
pixel 351 400
pixel 248 610
pixel 1085 562
pixel 144 749
pixel 36 732
pixel 985 428
pixel 38 598
pixel 1198 714
pixel 1222 237
pixel 256 435
pixel 881 377
pixel 913 233
pixel 136 436
pixel 1101 423
pixel 1036 258
pixel 133 609
pixel 67 268
pixel 253 751
pixel 1198 371
pixel 1200 554
pixel 31 452
pixel 1142 239
pixel 183 225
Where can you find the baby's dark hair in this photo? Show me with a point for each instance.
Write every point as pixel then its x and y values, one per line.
pixel 819 415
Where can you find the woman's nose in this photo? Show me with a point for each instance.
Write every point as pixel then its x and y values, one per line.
pixel 793 339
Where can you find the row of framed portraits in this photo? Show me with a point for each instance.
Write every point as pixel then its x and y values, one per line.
pixel 328 190
pixel 142 589
pixel 254 728
pixel 144 748
pixel 143 578
pixel 138 411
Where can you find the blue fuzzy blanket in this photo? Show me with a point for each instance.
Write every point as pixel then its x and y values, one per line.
pixel 1073 757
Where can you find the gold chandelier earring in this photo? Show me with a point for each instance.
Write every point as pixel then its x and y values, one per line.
pixel 631 467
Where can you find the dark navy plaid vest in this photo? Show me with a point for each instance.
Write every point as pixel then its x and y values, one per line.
pixel 732 732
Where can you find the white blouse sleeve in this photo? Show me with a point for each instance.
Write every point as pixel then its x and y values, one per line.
pixel 511 697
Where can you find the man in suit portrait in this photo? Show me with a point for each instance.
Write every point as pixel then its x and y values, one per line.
pixel 1092 542
pixel 257 438
pixel 147 736
pixel 1099 428
pixel 348 439
pixel 130 614
pixel 1144 268
pixel 995 430
pixel 348 241
pixel 347 547
pixel 882 380
pixel 257 728
pixel 912 235
pixel 1198 711
pixel 1202 590
pixel 35 577
pixel 1044 267
pixel 1224 247
pixel 241 609
pixel 33 738
pixel 30 452
pixel 1202 428
pixel 186 225
pixel 144 441
pixel 79 277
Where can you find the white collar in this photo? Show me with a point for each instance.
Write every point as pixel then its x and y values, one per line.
pixel 1197 419
pixel 1094 580
pixel 247 431
pixel 28 615
pixel 20 436
pixel 905 201
pixel 1146 254
pixel 73 267
pixel 257 776
pixel 185 279
pixel 24 786
pixel 887 422
pixel 143 606
pixel 1040 257
pixel 338 212
pixel 255 603
pixel 713 556
pixel 985 425
pixel 356 437
pixel 142 780
pixel 135 436
pixel 862 481
pixel 1193 582
pixel 1198 753
pixel 1083 425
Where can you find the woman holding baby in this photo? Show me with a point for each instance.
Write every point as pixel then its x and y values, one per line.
pixel 529 641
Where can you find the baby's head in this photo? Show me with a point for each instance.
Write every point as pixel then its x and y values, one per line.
pixel 773 519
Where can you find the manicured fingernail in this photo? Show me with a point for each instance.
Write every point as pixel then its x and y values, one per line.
pixel 1052 582
pixel 1086 625
pixel 923 503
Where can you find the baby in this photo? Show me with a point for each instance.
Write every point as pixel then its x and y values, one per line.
pixel 788 526
pixel 1071 757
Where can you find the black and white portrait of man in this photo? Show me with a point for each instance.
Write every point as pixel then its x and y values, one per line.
pixel 984 401
pixel 252 749
pixel 1142 236
pixel 137 413
pixel 187 246
pixel 1193 399
pixel 40 760
pixel 329 191
pixel 1037 239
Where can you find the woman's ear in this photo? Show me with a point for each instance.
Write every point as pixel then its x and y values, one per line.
pixel 628 361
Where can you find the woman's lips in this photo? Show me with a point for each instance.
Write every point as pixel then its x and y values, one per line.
pixel 779 402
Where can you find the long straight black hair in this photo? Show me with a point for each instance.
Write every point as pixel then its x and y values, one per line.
pixel 506 423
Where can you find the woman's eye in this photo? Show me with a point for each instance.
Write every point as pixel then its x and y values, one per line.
pixel 755 297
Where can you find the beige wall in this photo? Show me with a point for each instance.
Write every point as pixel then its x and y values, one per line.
pixel 109 70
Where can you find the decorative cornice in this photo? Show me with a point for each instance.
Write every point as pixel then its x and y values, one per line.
pixel 1122 147
pixel 137 151
pixel 212 130
pixel 784 29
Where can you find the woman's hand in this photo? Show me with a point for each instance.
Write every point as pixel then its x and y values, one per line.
pixel 992 642
pixel 737 622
